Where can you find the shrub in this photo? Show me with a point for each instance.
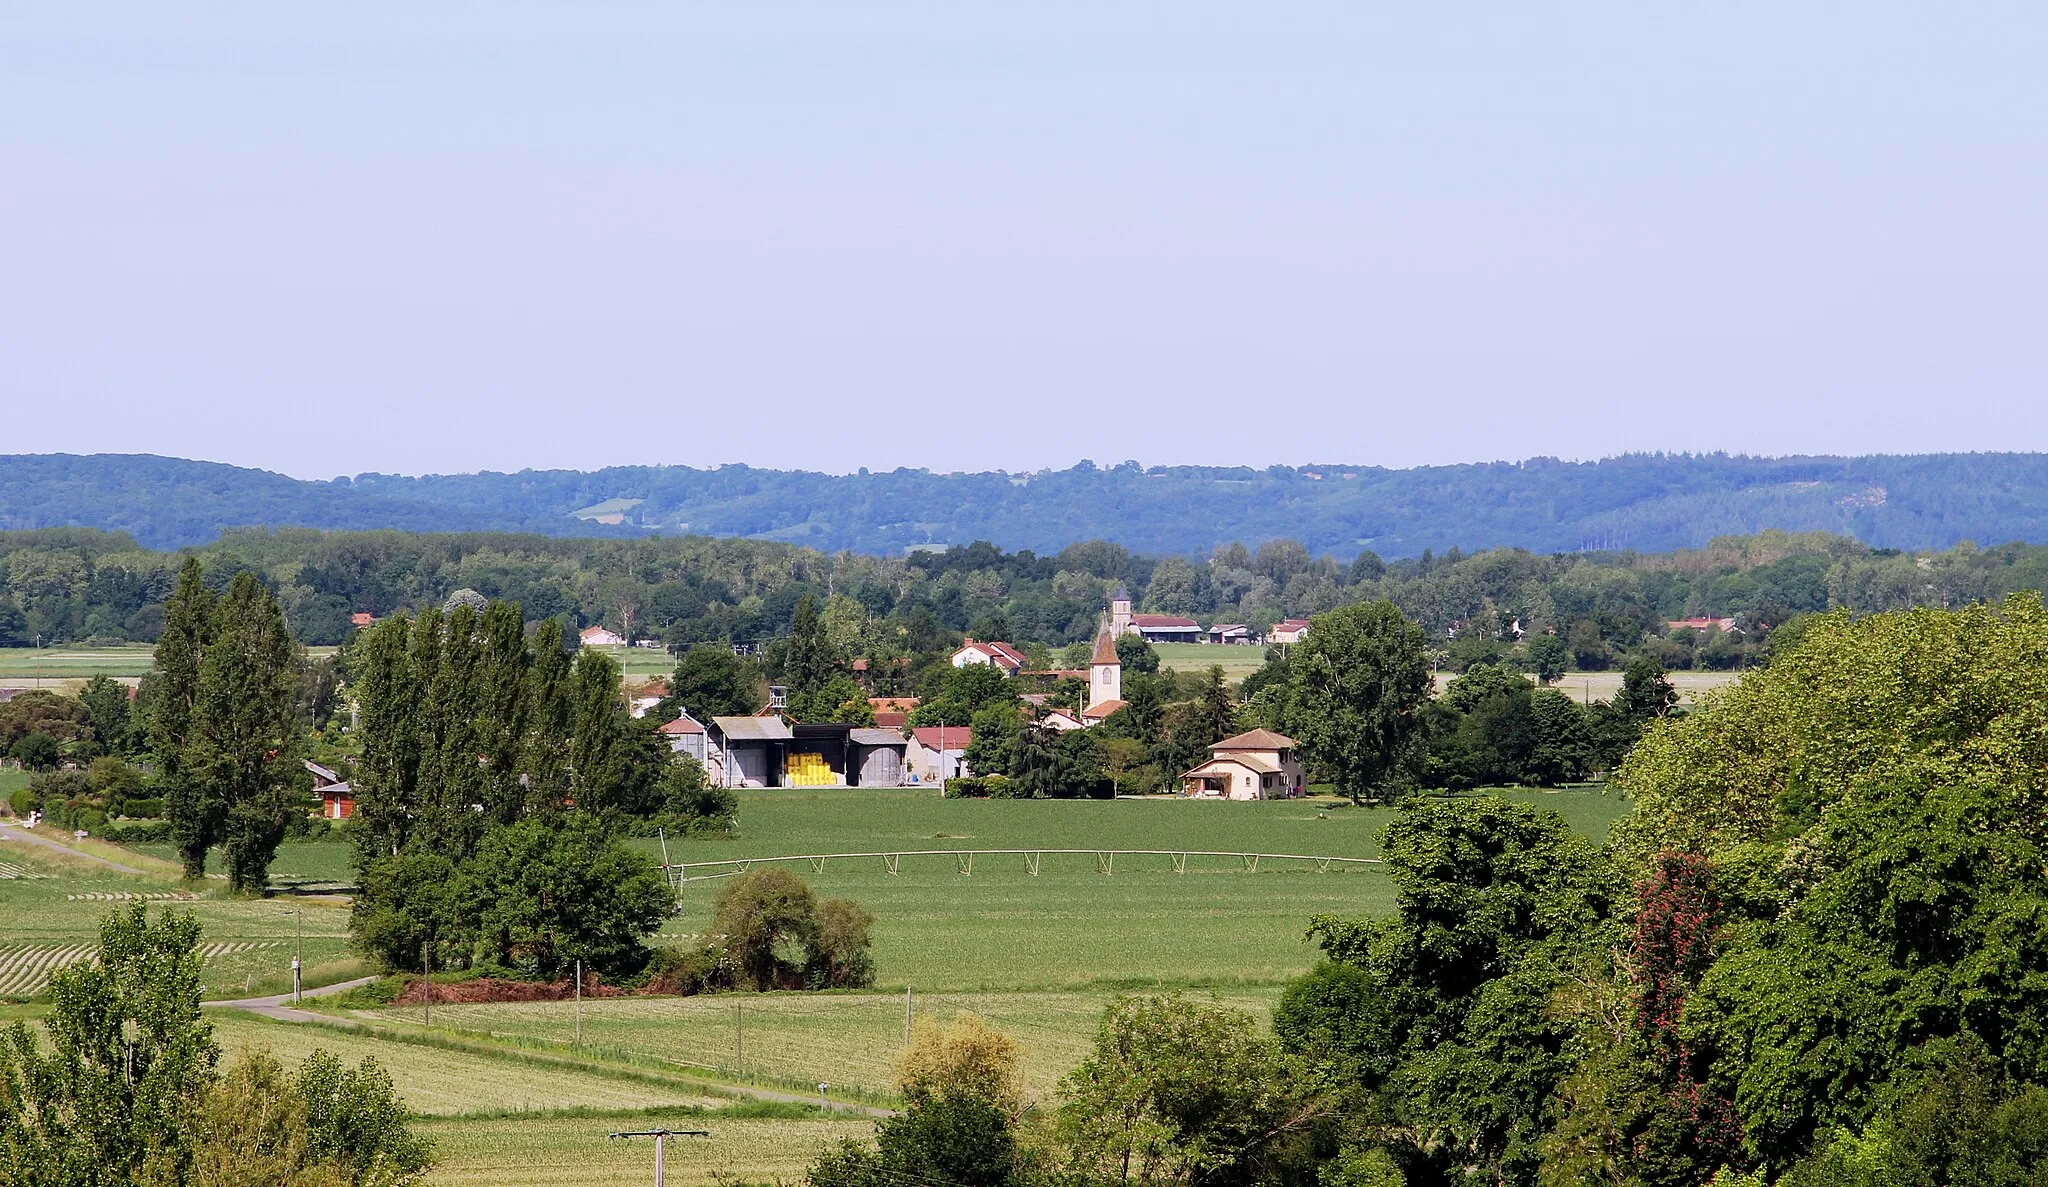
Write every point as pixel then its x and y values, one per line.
pixel 37 752
pixel 24 801
pixel 137 809
pixel 772 933
pixel 153 832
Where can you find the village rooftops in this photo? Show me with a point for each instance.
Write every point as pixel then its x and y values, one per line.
pixel 1164 622
pixel 1255 740
pixel 957 737
pixel 1723 625
pixel 682 725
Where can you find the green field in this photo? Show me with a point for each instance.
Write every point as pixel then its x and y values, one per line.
pixel 58 667
pixel 1236 662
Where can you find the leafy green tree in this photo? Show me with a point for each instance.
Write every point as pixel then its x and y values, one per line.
pixel 1645 691
pixel 36 752
pixel 545 894
pixel 1215 714
pixel 771 932
pixel 1136 654
pixel 808 661
pixel 409 901
pixel 105 1097
pixel 241 755
pixel 174 687
pixel 106 699
pixel 1178 1091
pixel 356 1121
pixel 710 681
pixel 1360 680
pixel 1549 657
pixel 945 1137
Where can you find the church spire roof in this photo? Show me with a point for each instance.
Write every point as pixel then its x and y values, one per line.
pixel 1121 594
pixel 1105 649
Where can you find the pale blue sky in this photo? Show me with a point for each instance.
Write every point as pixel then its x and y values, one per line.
pixel 436 237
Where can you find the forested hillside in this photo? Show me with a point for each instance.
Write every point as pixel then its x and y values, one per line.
pixel 1645 502
pixel 74 585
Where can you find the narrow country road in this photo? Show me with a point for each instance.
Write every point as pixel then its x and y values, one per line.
pixel 14 832
pixel 278 1005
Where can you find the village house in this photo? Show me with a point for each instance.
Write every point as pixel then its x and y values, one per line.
pixel 1259 765
pixel 1724 625
pixel 936 753
pixel 1061 720
pixel 893 712
pixel 597 636
pixel 1290 630
pixel 362 620
pixel 1232 632
pixel 647 696
pixel 1001 656
pixel 337 798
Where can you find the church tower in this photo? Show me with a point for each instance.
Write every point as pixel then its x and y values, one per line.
pixel 1105 671
pixel 1120 611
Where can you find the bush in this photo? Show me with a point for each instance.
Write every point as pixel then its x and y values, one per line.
pixel 24 801
pixel 137 809
pixel 154 832
pixel 984 787
pixel 774 934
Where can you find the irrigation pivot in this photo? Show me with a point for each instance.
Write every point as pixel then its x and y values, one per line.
pixel 680 873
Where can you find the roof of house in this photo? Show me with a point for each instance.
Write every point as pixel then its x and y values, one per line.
pixel 891 720
pixel 1250 762
pixel 361 618
pixel 1701 624
pixel 335 789
pixel 682 725
pixel 321 772
pixel 958 737
pixel 1067 714
pixel 1102 709
pixel 753 729
pixel 1227 626
pixel 861 664
pixel 588 631
pixel 862 736
pixel 894 704
pixel 1291 624
pixel 1161 622
pixel 1002 653
pixel 1255 740
pixel 1105 649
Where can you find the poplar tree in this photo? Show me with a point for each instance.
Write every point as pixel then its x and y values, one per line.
pixel 808 663
pixel 598 747
pixel 502 710
pixel 549 717
pixel 174 690
pixel 388 688
pixel 242 752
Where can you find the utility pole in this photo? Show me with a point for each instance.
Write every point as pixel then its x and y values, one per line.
pixel 298 951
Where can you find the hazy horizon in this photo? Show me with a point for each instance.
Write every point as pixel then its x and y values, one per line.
pixel 422 239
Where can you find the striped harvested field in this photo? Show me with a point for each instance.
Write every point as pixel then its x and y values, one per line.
pixel 129 896
pixel 25 968
pixel 9 870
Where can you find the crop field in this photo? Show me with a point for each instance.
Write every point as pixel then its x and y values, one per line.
pixel 1236 662
pixel 573 1151
pixel 848 1040
pixel 1601 686
pixel 24 667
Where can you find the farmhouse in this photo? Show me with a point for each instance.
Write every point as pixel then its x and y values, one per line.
pixel 1259 765
pixel 337 798
pixel 1290 630
pixel 1724 625
pixel 1001 656
pixel 1232 632
pixel 597 636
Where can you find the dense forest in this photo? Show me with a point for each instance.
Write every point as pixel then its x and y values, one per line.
pixel 1648 502
pixel 77 586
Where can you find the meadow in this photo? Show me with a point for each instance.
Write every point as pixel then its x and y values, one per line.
pixel 69 666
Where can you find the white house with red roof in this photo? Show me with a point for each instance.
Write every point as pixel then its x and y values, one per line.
pixel 1289 630
pixel 598 636
pixel 937 753
pixel 1001 656
pixel 1724 625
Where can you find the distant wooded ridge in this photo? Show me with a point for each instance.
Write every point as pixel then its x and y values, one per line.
pixel 1649 502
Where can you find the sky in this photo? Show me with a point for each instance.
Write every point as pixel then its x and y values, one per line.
pixel 434 237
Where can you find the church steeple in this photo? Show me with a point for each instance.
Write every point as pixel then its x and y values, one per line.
pixel 1120 611
pixel 1105 670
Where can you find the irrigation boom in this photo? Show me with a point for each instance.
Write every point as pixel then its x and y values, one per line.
pixel 1105 860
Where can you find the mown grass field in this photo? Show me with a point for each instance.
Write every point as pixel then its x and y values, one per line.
pixel 22 667
pixel 1236 662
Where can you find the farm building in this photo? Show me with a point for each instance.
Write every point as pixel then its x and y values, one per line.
pixel 597 636
pixel 1259 765
pixel 337 798
pixel 768 752
pixel 1232 632
pixel 1291 630
pixel 1166 628
pixel 685 735
pixel 1724 625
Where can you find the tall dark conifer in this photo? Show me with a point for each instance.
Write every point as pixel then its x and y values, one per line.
pixel 502 705
pixel 597 740
pixel 808 663
pixel 456 789
pixel 174 689
pixel 549 717
pixel 243 751
pixel 389 688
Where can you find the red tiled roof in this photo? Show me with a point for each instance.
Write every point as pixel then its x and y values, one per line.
pixel 1701 624
pixel 1003 654
pixel 957 737
pixel 1162 621
pixel 682 725
pixel 885 719
pixel 1101 709
pixel 894 704
pixel 1255 740
pixel 361 618
pixel 1290 624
